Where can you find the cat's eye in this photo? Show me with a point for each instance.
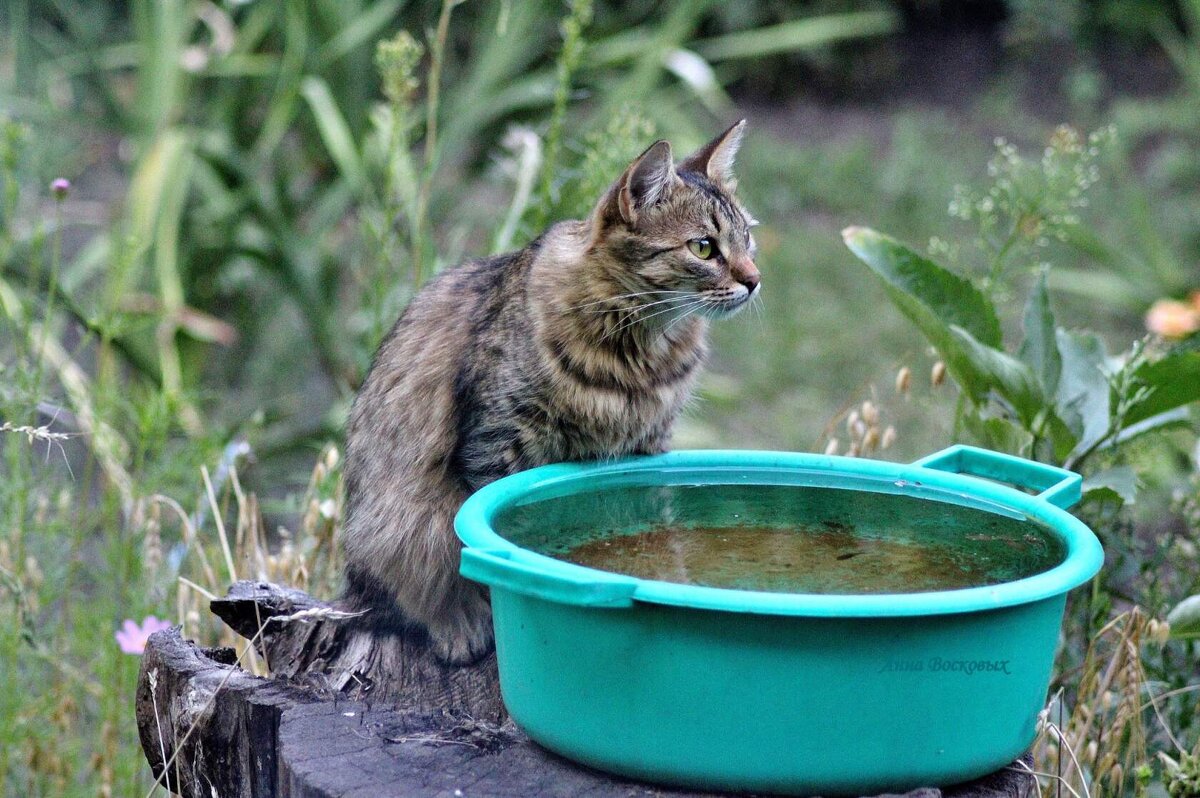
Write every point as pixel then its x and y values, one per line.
pixel 702 248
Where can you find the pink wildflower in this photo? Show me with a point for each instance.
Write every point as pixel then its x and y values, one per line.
pixel 132 638
pixel 60 187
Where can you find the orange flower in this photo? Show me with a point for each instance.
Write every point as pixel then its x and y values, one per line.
pixel 1173 319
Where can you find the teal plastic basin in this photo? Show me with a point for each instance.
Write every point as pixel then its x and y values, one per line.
pixel 779 692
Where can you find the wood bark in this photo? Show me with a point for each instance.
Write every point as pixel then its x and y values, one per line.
pixel 351 711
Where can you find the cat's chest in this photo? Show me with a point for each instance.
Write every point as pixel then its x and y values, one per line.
pixel 594 423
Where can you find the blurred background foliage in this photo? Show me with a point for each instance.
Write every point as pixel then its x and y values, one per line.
pixel 257 187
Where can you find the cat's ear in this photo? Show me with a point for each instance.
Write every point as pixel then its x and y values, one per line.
pixel 715 159
pixel 647 181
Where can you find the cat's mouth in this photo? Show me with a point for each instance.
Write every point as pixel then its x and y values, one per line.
pixel 725 307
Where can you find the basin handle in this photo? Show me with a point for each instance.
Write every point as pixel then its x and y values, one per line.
pixel 503 568
pixel 1060 487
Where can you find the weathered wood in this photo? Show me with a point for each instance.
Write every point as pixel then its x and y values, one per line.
pixel 359 657
pixel 311 731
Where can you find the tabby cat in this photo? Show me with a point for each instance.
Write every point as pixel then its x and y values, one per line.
pixel 582 345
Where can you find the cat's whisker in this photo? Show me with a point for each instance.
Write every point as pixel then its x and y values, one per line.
pixel 623 325
pixel 625 296
pixel 636 308
pixel 684 309
pixel 757 306
pixel 631 316
pixel 703 301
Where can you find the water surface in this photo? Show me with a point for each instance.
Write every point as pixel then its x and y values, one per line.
pixel 783 538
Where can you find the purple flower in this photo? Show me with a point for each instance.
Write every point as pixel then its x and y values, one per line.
pixel 60 187
pixel 132 638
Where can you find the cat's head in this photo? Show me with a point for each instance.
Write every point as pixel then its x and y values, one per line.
pixel 674 234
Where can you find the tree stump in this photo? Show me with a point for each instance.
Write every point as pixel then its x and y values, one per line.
pixel 355 711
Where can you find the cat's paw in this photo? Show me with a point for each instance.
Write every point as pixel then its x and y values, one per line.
pixel 465 638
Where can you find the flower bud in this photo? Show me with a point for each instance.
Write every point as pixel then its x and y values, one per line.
pixel 832 447
pixel 871 439
pixel 903 380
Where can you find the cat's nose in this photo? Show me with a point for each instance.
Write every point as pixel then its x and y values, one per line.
pixel 746 273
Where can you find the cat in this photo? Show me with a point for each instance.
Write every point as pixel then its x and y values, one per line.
pixel 583 345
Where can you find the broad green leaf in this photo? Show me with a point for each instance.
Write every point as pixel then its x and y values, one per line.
pixel 1004 374
pixel 1040 347
pixel 933 299
pixel 1185 619
pixel 1121 481
pixel 1083 399
pixel 950 297
pixel 1174 380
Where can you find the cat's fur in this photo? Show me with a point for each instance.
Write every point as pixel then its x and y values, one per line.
pixel 583 345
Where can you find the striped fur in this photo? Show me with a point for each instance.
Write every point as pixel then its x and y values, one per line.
pixel 583 345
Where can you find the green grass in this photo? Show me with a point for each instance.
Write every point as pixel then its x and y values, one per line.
pixel 276 191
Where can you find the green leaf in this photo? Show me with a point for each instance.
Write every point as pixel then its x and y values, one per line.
pixel 1120 481
pixel 952 298
pixel 1083 399
pixel 998 434
pixel 1040 347
pixel 1185 619
pixel 797 35
pixel 334 130
pixel 1174 378
pixel 1179 417
pixel 933 299
pixel 1062 438
pixel 361 29
pixel 1007 376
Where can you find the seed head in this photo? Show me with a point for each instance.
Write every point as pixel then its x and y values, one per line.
pixel 832 447
pixel 889 438
pixel 870 413
pixel 938 374
pixel 852 421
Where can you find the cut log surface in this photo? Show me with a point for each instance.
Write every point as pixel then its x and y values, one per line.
pixel 356 713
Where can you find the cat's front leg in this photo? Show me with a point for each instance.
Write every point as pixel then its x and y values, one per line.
pixel 461 630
